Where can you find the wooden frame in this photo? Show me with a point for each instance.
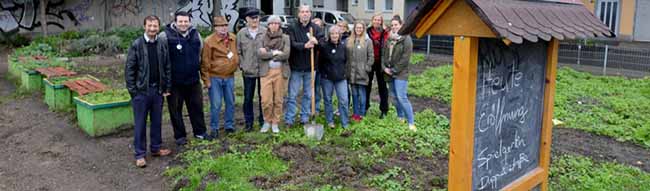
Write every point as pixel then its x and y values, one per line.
pixel 461 151
pixel 461 147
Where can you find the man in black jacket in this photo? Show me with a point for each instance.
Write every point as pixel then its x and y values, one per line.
pixel 184 54
pixel 148 79
pixel 302 42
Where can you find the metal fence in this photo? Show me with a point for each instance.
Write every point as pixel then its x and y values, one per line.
pixel 594 57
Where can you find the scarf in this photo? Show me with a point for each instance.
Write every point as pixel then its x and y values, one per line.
pixel 273 41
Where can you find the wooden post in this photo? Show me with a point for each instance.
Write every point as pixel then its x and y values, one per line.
pixel 547 117
pixel 461 149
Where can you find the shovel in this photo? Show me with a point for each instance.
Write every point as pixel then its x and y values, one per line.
pixel 312 129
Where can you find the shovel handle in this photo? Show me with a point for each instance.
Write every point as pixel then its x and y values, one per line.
pixel 313 81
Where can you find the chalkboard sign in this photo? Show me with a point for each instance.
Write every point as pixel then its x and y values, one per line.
pixel 509 105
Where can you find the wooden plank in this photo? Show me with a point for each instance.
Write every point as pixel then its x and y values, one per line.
pixel 461 148
pixel 460 20
pixel 528 181
pixel 431 17
pixel 547 117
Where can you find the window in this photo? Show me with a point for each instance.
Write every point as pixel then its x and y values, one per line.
pixel 318 4
pixel 371 5
pixel 318 15
pixel 608 12
pixel 329 18
pixel 389 5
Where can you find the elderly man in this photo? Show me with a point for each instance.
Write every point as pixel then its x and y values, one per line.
pixel 219 61
pixel 302 42
pixel 184 54
pixel 147 74
pixel 249 39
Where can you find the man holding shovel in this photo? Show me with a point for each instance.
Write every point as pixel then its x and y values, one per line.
pixel 303 43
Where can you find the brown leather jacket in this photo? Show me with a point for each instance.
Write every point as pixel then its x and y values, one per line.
pixel 214 58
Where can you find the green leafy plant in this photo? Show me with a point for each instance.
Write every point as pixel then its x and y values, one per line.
pixel 394 180
pixel 580 173
pixel 433 82
pixel 126 35
pixel 108 96
pixel 93 45
pixel 416 58
pixel 32 64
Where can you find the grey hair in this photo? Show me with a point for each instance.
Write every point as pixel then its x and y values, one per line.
pixel 334 28
pixel 304 6
pixel 274 18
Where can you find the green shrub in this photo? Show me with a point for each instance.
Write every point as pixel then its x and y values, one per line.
pixel 108 96
pixel 93 45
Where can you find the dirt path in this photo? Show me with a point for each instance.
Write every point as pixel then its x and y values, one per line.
pixel 43 150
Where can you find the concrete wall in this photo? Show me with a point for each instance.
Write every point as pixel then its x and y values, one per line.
pixel 21 16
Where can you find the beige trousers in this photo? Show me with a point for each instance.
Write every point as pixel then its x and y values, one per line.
pixel 273 90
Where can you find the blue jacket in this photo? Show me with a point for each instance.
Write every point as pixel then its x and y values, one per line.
pixel 184 55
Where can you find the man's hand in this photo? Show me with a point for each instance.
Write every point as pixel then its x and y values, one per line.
pixel 166 94
pixel 388 71
pixel 263 50
pixel 276 52
pixel 309 45
pixel 313 40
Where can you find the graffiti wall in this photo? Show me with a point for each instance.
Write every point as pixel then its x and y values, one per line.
pixel 23 16
pixel 131 12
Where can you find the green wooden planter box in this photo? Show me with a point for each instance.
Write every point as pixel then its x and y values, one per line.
pixel 57 97
pixel 103 119
pixel 31 80
pixel 13 72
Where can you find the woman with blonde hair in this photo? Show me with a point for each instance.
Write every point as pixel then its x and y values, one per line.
pixel 359 63
pixel 345 30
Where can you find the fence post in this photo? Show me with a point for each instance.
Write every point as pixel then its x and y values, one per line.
pixel 605 60
pixel 428 44
pixel 579 52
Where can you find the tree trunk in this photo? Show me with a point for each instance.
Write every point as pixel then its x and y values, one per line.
pixel 43 6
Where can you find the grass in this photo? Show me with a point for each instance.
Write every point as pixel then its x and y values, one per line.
pixel 232 170
pixel 570 173
pixel 611 106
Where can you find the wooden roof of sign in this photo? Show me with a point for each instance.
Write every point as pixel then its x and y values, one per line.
pixel 514 20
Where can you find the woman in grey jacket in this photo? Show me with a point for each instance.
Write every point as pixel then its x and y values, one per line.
pixel 360 60
pixel 274 71
pixel 395 63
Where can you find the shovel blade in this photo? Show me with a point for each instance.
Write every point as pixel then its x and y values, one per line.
pixel 314 131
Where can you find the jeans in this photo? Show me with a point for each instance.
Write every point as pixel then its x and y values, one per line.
pixel 381 84
pixel 147 104
pixel 398 89
pixel 192 96
pixel 296 80
pixel 341 88
pixel 222 88
pixel 358 99
pixel 250 84
pixel 318 90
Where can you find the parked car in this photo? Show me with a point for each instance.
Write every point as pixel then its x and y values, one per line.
pixel 287 20
pixel 331 17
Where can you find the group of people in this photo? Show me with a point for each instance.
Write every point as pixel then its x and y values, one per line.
pixel 177 65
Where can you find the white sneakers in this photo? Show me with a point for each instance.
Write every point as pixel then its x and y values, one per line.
pixel 265 127
pixel 274 128
pixel 412 127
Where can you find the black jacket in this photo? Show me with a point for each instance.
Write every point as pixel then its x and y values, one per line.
pixel 185 62
pixel 137 68
pixel 299 60
pixel 332 61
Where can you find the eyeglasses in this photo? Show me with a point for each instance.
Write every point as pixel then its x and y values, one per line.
pixel 274 23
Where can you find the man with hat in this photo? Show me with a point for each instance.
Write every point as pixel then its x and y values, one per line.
pixel 249 40
pixel 219 61
pixel 184 43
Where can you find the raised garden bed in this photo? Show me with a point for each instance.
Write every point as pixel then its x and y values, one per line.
pixel 30 78
pixel 85 86
pixel 57 96
pixel 104 113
